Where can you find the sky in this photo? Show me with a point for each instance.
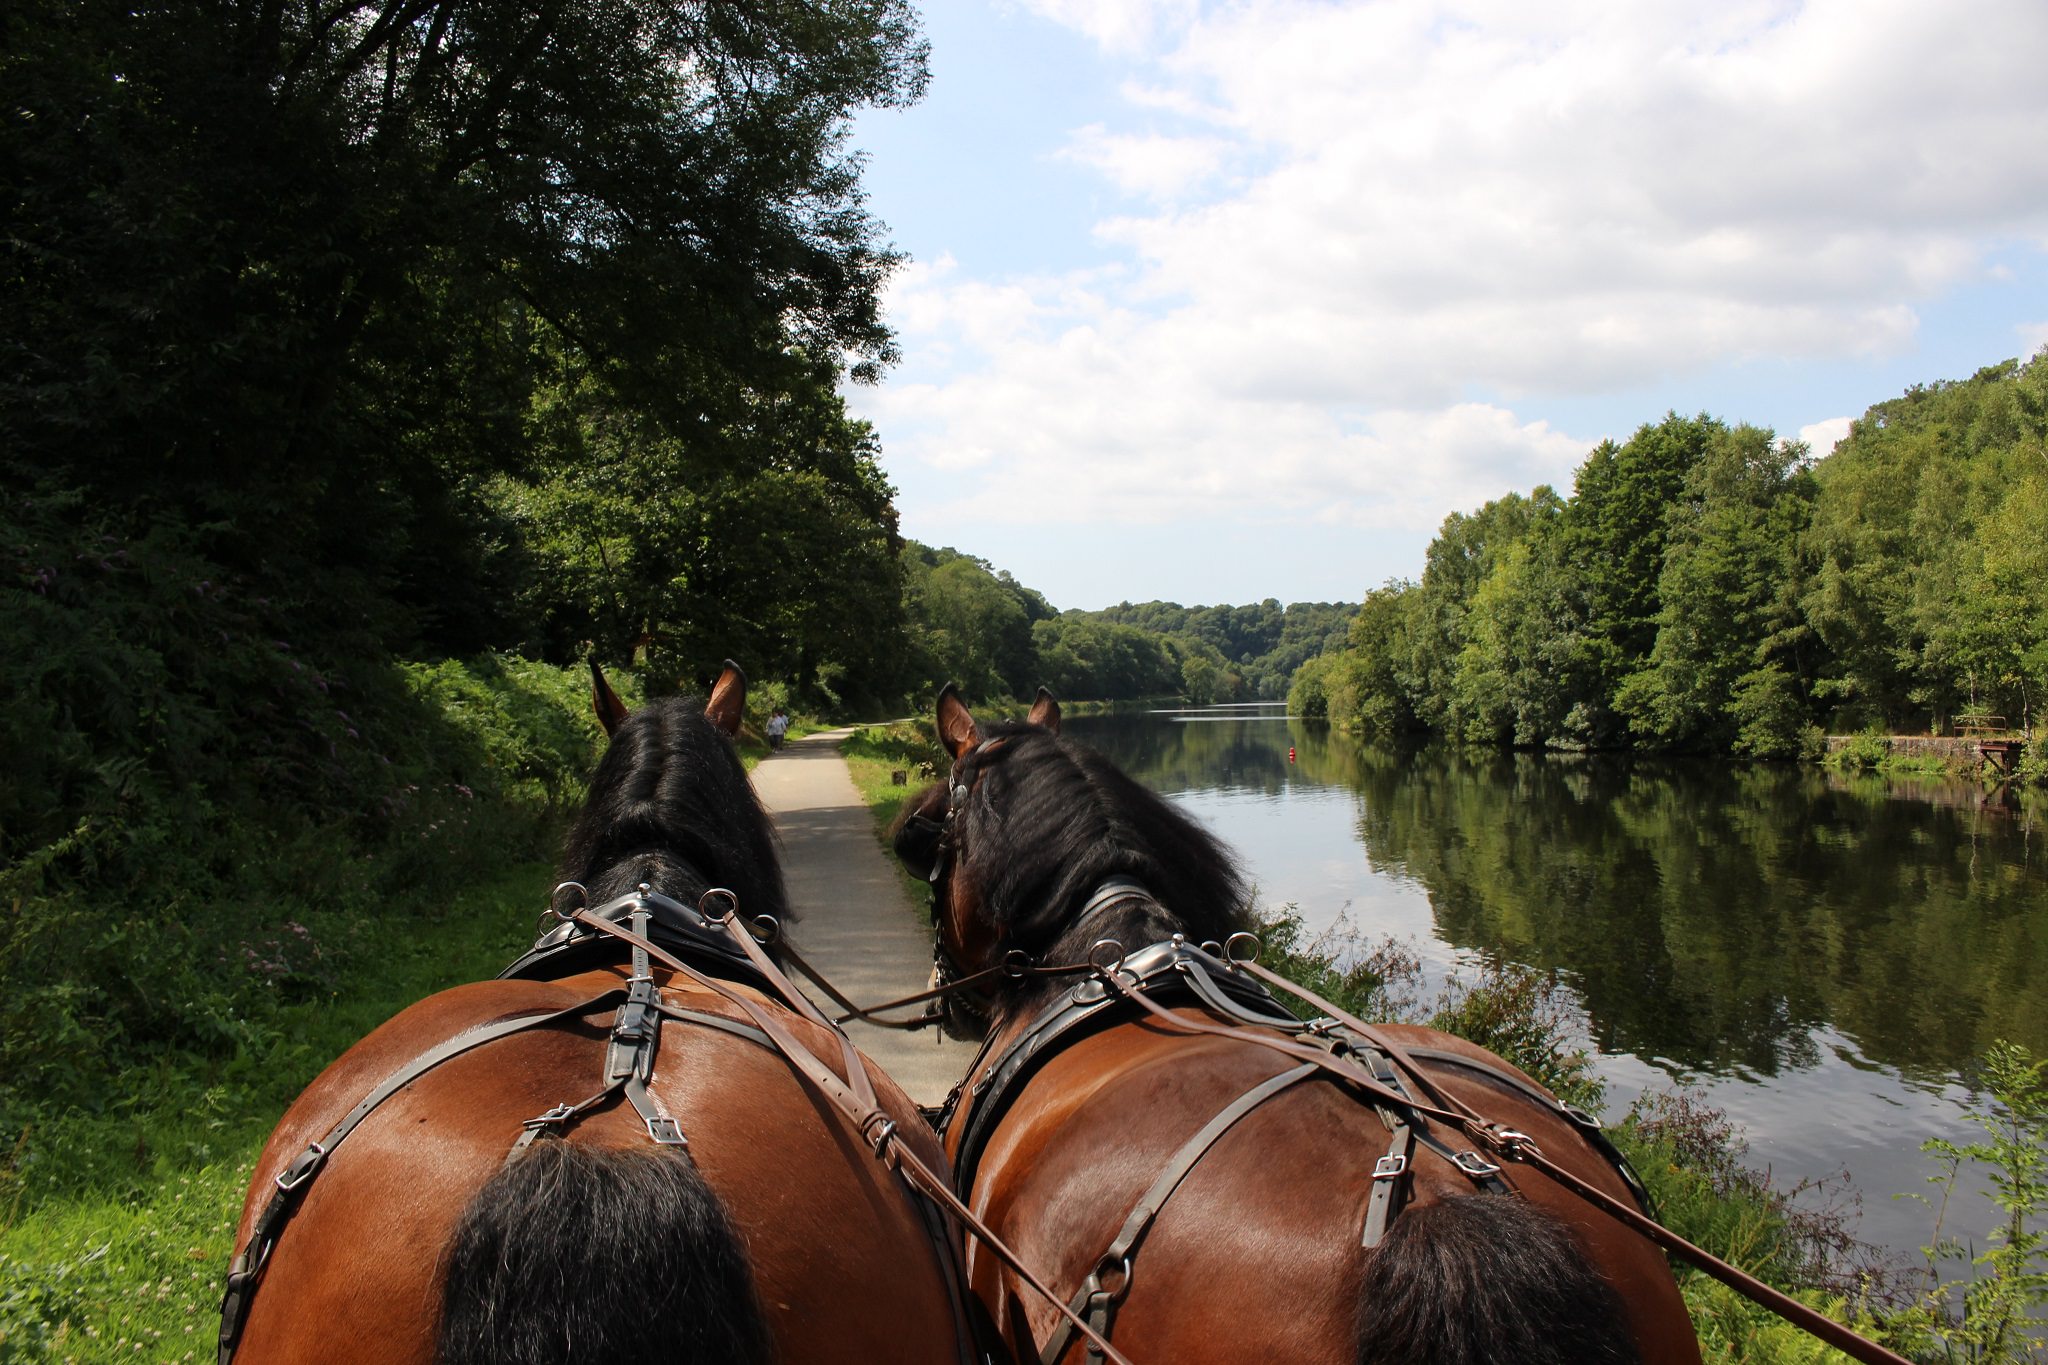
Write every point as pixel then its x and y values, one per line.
pixel 1220 302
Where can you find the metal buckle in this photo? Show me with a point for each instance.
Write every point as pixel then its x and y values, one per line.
pixel 1390 1167
pixel 722 896
pixel 877 1135
pixel 302 1168
pixel 555 901
pixel 557 1114
pixel 1590 1122
pixel 1474 1165
pixel 667 1132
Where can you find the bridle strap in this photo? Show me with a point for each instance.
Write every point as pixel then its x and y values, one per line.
pixel 855 1101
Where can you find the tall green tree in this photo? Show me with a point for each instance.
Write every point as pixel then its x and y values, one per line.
pixel 1732 659
pixel 1613 543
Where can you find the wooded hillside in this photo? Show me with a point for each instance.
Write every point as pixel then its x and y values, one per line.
pixel 1712 588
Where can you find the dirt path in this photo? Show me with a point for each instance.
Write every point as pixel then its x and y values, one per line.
pixel 855 924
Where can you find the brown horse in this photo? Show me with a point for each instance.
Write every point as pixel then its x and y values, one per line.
pixel 1204 1195
pixel 674 1191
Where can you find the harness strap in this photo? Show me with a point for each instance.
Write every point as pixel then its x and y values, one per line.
pixel 249 1263
pixel 1516 1147
pixel 1391 1183
pixel 874 1125
pixel 1107 1284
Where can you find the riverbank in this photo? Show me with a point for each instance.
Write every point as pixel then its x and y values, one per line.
pixel 1994 762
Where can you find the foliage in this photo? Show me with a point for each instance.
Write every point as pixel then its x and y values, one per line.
pixel 114 1236
pixel 969 624
pixel 402 313
pixel 1375 981
pixel 1249 652
pixel 2000 1316
pixel 212 810
pixel 1708 589
pixel 1872 748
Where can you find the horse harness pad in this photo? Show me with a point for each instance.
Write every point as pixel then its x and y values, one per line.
pixel 1176 972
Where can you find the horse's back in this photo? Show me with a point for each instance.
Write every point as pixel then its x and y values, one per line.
pixel 844 1267
pixel 1259 1246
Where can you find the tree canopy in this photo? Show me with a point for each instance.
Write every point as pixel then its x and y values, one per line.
pixel 1710 588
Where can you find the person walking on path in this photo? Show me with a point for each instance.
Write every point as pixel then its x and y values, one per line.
pixel 778 726
pixel 855 924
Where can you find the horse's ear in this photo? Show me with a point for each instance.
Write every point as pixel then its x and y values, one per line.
pixel 1045 710
pixel 610 710
pixel 957 730
pixel 728 704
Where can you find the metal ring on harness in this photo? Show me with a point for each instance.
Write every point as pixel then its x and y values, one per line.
pixel 765 929
pixel 1016 963
pixel 1231 945
pixel 718 893
pixel 1121 1268
pixel 1106 963
pixel 555 901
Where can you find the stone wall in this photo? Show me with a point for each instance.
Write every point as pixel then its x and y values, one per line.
pixel 1947 748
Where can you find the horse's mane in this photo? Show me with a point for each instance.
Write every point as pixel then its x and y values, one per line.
pixel 670 805
pixel 1048 821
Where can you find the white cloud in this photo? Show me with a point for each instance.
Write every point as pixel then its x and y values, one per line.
pixel 1116 25
pixel 1154 166
pixel 1354 220
pixel 2033 337
pixel 1820 437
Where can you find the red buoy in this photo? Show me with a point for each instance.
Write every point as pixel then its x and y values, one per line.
pixel 1290 753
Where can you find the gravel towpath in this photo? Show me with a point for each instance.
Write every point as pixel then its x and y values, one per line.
pixel 855 924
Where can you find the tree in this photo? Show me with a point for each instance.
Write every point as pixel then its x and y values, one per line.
pixel 278 268
pixel 1728 629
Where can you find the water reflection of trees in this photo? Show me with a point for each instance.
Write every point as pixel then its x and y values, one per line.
pixel 1714 916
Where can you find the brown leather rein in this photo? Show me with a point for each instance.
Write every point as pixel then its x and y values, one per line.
pixel 1442 1107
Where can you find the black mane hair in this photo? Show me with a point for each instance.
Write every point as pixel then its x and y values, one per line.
pixel 1048 821
pixel 670 805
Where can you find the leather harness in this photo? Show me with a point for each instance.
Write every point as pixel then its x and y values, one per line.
pixel 585 940
pixel 1155 980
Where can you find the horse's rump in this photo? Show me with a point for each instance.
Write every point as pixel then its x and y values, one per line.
pixel 1260 1243
pixel 823 1223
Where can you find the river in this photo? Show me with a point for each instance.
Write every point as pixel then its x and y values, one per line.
pixel 1822 955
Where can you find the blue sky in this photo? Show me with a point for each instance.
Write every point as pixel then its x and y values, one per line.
pixel 1216 303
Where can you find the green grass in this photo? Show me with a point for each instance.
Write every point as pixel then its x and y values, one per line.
pixel 874 754
pixel 128 1264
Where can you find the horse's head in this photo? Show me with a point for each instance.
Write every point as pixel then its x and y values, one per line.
pixel 670 804
pixel 1027 840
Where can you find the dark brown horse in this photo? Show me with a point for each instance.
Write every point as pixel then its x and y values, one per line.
pixel 1207 1196
pixel 674 1191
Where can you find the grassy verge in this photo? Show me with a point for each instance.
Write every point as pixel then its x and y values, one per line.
pixel 127 1265
pixel 875 755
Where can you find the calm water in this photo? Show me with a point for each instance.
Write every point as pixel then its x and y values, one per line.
pixel 1823 956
